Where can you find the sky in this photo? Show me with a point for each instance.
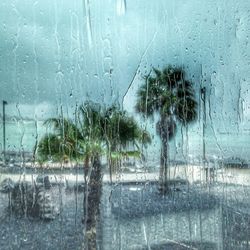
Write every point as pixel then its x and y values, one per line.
pixel 57 53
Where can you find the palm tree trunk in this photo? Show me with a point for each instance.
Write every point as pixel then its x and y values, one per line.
pixel 92 213
pixel 86 169
pixel 110 162
pixel 164 167
pixel 164 135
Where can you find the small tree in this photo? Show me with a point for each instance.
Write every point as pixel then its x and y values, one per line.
pixel 169 95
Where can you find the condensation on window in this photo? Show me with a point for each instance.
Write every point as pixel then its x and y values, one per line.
pixel 124 124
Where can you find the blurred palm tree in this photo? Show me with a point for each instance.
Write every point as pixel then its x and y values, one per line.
pixel 79 140
pixel 95 132
pixel 62 144
pixel 169 95
pixel 123 137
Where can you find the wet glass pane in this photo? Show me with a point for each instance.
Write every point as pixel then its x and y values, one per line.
pixel 124 124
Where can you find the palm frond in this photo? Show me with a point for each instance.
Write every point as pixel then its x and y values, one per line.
pixel 169 94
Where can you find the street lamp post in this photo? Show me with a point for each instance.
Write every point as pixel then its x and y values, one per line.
pixel 4 131
pixel 203 98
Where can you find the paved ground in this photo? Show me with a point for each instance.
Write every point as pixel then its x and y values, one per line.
pixel 65 232
pixel 136 216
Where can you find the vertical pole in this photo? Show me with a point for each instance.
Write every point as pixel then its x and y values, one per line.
pixel 4 135
pixel 203 98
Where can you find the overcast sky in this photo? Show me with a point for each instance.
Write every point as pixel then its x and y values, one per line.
pixel 56 52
